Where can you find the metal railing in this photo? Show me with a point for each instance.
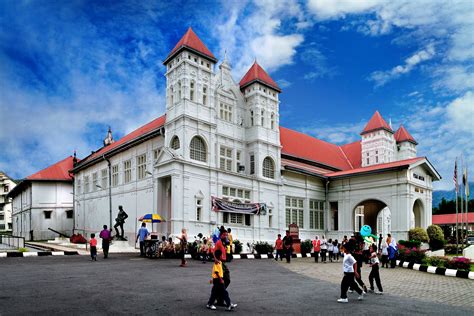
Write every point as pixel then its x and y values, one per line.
pixel 12 241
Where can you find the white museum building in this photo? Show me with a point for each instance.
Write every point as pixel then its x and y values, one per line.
pixel 219 156
pixel 44 200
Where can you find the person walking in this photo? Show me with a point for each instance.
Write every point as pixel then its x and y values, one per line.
pixel 374 273
pixel 324 249
pixel 142 235
pixel 183 242
pixel 106 236
pixel 93 247
pixel 349 267
pixel 358 255
pixel 279 248
pixel 316 248
pixel 218 284
pixel 288 245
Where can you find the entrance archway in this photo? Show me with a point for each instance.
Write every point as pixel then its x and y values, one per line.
pixel 374 213
pixel 416 214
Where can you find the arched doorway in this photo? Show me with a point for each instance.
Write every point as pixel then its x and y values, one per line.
pixel 416 214
pixel 374 213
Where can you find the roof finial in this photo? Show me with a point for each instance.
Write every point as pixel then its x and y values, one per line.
pixel 109 139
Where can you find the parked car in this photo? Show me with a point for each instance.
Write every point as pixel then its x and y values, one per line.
pixel 470 240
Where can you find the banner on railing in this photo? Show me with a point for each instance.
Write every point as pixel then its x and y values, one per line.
pixel 219 204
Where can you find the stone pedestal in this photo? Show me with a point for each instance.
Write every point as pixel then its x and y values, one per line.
pixel 436 253
pixel 468 252
pixel 122 246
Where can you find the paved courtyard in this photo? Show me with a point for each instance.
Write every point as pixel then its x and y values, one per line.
pixel 126 284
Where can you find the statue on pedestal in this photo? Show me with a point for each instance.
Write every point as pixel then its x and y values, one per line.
pixel 119 221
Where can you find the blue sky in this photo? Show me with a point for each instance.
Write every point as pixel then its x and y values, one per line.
pixel 68 71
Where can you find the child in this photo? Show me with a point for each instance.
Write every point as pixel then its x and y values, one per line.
pixel 336 250
pixel 330 249
pixel 374 274
pixel 279 248
pixel 349 265
pixel 317 248
pixel 218 287
pixel 93 247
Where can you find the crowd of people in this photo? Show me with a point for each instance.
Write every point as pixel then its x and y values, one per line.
pixel 218 247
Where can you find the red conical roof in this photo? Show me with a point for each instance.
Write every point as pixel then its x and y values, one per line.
pixel 256 73
pixel 376 122
pixel 191 40
pixel 58 171
pixel 402 135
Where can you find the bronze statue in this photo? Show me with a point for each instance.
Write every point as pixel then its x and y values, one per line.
pixel 120 220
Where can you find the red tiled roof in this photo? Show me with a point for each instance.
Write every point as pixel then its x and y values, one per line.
pixel 304 166
pixel 145 129
pixel 191 40
pixel 402 135
pixel 256 73
pixel 353 152
pixel 376 122
pixel 300 145
pixel 381 166
pixel 451 218
pixel 58 171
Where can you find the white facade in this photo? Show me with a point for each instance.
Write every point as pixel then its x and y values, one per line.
pixel 40 205
pixel 6 185
pixel 223 141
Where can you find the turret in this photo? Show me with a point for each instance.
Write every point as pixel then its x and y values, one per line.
pixel 378 142
pixel 406 144
pixel 262 120
pixel 189 87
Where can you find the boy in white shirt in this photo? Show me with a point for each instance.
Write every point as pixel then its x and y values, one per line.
pixel 349 265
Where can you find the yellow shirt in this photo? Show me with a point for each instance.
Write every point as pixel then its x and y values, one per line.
pixel 217 267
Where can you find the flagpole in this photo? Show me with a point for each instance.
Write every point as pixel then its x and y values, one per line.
pixel 456 190
pixel 466 190
pixel 462 208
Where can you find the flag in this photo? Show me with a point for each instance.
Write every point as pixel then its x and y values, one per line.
pixel 465 182
pixel 455 177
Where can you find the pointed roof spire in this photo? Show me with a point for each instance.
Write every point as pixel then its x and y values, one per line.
pixel 402 135
pixel 376 122
pixel 225 63
pixel 256 73
pixel 191 42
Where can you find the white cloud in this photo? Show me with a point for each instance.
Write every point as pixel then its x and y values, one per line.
pixel 461 114
pixel 260 35
pixel 332 9
pixel 382 77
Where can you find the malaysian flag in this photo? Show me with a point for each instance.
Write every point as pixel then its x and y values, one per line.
pixel 455 178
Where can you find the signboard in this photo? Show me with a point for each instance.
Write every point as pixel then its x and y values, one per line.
pixel 236 207
pixel 294 231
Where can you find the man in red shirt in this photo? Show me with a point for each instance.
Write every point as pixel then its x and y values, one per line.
pixel 279 248
pixel 220 244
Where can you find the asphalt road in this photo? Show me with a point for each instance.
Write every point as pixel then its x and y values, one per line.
pixel 126 284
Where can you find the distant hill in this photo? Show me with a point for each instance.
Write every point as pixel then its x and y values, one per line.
pixel 450 195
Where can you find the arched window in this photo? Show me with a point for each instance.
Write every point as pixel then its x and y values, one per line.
pixel 172 95
pixel 179 90
pixel 204 95
pixel 175 142
pixel 272 121
pixel 268 168
pixel 191 91
pixel 262 116
pixel 251 118
pixel 198 149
